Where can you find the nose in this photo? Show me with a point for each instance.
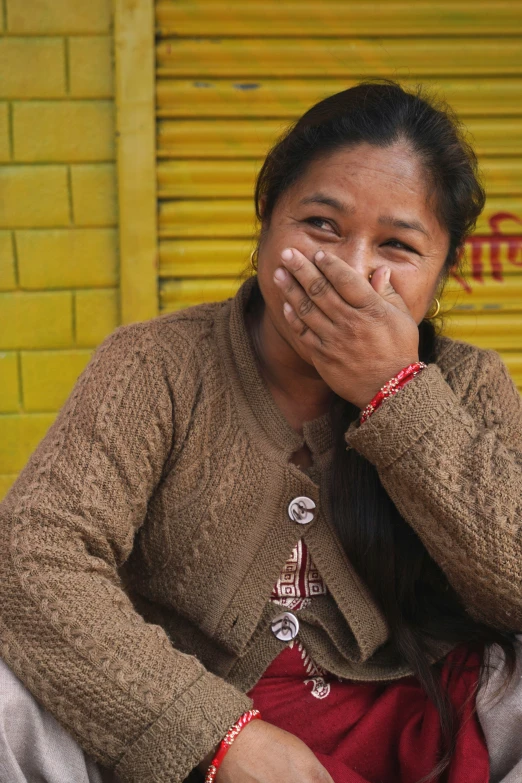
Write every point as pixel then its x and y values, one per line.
pixel 359 256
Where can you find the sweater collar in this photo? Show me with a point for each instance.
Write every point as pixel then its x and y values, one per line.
pixel 255 397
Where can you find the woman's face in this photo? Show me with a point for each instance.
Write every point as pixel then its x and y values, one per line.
pixel 368 205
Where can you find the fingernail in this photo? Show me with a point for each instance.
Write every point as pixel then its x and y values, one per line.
pixel 287 308
pixel 280 274
pixel 387 275
pixel 287 254
pixel 319 255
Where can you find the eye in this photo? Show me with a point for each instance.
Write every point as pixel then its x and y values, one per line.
pixel 395 243
pixel 320 223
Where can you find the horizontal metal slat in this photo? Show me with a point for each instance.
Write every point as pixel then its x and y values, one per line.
pixel 289 98
pixel 235 218
pixel 175 294
pixel 500 331
pixel 488 296
pixel 236 178
pixel 233 138
pixel 204 257
pixel 219 138
pixel 336 58
pixel 207 178
pixel 483 17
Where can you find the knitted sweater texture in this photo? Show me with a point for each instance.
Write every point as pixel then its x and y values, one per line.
pixel 140 544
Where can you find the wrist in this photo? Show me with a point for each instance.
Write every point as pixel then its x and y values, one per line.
pixel 226 742
pixel 392 387
pixel 375 382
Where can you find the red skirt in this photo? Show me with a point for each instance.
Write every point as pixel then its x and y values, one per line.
pixel 375 732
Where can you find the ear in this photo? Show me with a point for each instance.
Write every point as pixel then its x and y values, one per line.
pixel 262 205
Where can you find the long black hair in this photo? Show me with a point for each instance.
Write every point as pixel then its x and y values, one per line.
pixel 419 604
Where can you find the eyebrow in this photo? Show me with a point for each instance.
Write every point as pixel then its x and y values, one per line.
pixel 320 198
pixel 412 225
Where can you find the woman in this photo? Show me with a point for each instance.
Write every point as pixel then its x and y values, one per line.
pixel 229 504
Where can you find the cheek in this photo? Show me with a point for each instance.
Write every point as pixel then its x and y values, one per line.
pixel 271 293
pixel 269 260
pixel 281 236
pixel 269 254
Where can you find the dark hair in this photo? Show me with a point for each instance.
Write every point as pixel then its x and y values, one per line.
pixel 413 593
pixel 383 113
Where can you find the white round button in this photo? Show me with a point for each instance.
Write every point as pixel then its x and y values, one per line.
pixel 301 510
pixel 285 626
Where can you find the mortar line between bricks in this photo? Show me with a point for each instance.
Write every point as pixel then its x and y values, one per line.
pixel 42 164
pixel 20 380
pixel 46 229
pixel 66 226
pixel 46 163
pixel 73 317
pixel 15 259
pixel 67 66
pixel 106 34
pixel 70 195
pixel 64 289
pixel 10 130
pixel 110 99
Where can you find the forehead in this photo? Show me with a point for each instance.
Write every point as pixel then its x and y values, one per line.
pixel 366 176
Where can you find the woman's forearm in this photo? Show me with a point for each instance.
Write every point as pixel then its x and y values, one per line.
pixel 454 471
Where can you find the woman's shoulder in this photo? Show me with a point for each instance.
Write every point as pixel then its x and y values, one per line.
pixel 467 367
pixel 166 356
pixel 172 335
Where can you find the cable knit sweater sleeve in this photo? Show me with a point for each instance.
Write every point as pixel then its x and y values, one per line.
pixel 448 449
pixel 67 629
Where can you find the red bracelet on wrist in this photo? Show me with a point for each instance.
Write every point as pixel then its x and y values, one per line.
pixel 390 388
pixel 227 741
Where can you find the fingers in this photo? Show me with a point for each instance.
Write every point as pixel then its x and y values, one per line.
pixel 302 330
pixel 380 281
pixel 317 290
pixel 382 285
pixel 301 311
pixel 351 286
pixel 313 306
pixel 326 294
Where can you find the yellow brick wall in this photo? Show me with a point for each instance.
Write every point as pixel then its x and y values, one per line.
pixel 59 268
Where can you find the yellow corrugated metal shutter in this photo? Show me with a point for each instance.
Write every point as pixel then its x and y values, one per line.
pixel 231 75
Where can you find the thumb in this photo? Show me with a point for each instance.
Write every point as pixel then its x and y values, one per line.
pixel 382 285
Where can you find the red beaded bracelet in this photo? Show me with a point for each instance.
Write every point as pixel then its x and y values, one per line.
pixel 390 388
pixel 227 741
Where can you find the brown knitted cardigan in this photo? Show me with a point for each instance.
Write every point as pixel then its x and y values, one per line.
pixel 141 542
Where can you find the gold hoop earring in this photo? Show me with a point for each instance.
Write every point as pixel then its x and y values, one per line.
pixel 435 313
pixel 253 258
